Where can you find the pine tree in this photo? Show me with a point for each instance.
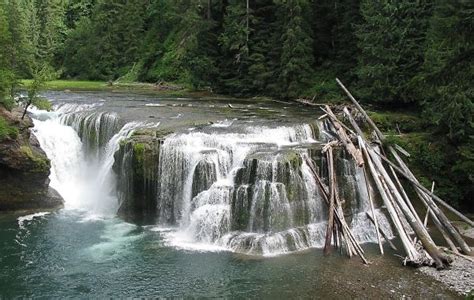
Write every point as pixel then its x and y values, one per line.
pixel 234 45
pixel 50 15
pixel 448 68
pixel 6 47
pixel 448 88
pixel 296 56
pixel 391 40
pixel 105 46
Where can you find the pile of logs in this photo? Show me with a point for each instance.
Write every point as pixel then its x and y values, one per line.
pixel 389 176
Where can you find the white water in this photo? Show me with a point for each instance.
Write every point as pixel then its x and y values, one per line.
pixel 204 219
pixel 198 190
pixel 86 185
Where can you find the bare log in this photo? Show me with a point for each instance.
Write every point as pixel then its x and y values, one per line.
pixel 432 205
pixel 381 136
pixel 385 236
pixel 441 260
pixel 374 220
pixel 425 222
pixel 332 191
pixel 410 250
pixel 344 138
pixel 362 111
pixel 351 243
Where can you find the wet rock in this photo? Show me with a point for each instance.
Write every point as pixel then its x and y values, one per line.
pixel 270 193
pixel 136 166
pixel 24 169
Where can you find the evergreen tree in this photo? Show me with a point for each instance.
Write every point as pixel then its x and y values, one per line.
pixel 391 40
pixel 448 87
pixel 6 48
pixel 105 46
pixel 449 68
pixel 234 45
pixel 51 30
pixel 296 57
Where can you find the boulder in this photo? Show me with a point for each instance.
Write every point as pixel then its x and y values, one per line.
pixel 24 169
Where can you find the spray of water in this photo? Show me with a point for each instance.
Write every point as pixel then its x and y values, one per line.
pixel 85 184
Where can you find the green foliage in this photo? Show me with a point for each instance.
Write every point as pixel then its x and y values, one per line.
pixel 105 46
pixel 6 130
pixel 324 89
pixel 296 57
pixel 6 74
pixel 449 69
pixel 391 40
pixel 41 74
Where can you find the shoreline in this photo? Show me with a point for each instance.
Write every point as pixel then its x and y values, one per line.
pixel 459 277
pixel 167 89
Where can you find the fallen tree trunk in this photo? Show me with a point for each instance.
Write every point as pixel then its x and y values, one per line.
pixel 332 199
pixel 351 244
pixel 385 236
pixel 434 208
pixel 410 250
pixel 381 137
pixel 441 261
pixel 344 138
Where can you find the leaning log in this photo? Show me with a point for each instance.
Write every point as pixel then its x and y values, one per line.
pixel 332 199
pixel 385 236
pixel 441 261
pixel 344 138
pixel 351 243
pixel 435 209
pixel 381 137
pixel 410 250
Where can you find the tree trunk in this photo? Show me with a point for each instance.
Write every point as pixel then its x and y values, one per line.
pixel 332 190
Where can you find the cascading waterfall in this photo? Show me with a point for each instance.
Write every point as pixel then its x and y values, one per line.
pixel 227 186
pixel 251 192
pixel 85 183
pixel 95 129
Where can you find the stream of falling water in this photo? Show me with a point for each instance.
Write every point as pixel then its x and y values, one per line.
pixel 81 172
pixel 228 186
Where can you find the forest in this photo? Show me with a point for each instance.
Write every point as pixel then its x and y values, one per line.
pixel 409 56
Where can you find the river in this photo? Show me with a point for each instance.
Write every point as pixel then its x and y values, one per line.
pixel 193 246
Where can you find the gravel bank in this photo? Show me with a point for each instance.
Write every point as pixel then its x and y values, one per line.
pixel 459 277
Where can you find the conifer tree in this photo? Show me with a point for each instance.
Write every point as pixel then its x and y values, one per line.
pixel 391 39
pixel 6 48
pixel 296 56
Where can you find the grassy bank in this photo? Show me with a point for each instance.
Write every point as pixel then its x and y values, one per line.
pixel 82 85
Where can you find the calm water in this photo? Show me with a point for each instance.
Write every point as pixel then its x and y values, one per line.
pixel 71 254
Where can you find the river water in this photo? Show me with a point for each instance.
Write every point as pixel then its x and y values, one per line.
pixel 85 250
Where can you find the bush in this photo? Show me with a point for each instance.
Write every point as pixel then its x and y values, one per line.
pixel 7 131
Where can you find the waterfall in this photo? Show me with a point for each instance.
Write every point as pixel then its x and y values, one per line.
pixel 226 186
pixel 81 145
pixel 251 191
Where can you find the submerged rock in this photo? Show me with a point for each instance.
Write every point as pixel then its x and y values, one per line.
pixel 24 169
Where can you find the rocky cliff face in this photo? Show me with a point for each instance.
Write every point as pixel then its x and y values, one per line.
pixel 24 169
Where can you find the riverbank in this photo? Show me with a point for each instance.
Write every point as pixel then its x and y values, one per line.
pixel 161 88
pixel 459 277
